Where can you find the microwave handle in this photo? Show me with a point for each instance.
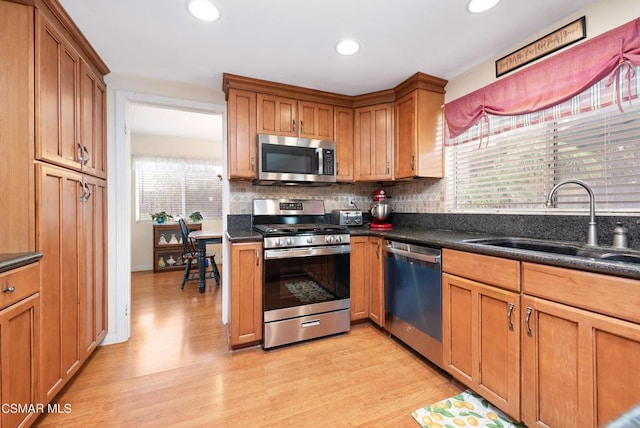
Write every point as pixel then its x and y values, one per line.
pixel 319 161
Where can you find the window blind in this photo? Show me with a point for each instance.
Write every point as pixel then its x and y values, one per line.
pixel 178 186
pixel 522 158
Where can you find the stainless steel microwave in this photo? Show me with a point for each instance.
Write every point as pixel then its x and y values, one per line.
pixel 291 160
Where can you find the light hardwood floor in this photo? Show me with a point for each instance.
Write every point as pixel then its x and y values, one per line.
pixel 176 370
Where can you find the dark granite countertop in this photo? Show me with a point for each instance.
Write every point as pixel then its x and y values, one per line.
pixel 10 261
pixel 457 240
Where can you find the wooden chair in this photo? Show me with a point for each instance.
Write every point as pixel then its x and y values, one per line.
pixel 190 253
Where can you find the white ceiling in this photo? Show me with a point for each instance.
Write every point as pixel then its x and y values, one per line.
pixel 292 41
pixel 164 122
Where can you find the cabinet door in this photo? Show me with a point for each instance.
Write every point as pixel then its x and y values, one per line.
pixel 344 142
pixel 57 74
pixel 59 220
pixel 481 341
pixel 418 135
pixel 376 305
pixel 19 333
pixel 373 143
pixel 17 121
pixel 360 274
pixel 277 115
pixel 580 369
pixel 316 120
pixel 246 294
pixel 93 285
pixel 92 120
pixel 405 141
pixel 242 136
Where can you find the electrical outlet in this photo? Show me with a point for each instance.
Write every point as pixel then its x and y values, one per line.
pixel 351 201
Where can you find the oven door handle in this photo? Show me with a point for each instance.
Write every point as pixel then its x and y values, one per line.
pixel 287 253
pixel 411 255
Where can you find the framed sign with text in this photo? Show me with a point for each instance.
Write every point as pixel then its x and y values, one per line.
pixel 558 39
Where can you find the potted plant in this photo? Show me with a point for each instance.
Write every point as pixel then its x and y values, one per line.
pixel 195 217
pixel 161 217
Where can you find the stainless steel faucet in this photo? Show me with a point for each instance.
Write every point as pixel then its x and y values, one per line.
pixel 592 232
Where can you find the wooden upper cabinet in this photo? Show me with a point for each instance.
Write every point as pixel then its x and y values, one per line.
pixel 57 76
pixel 316 120
pixel 242 138
pixel 277 115
pixel 92 123
pixel 343 132
pixel 17 233
pixel 373 142
pixel 418 135
pixel 294 118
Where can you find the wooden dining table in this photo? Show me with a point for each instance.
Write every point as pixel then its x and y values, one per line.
pixel 204 237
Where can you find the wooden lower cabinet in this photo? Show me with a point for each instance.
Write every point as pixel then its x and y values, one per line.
pixel 59 222
pixel 93 288
pixel 246 294
pixel 19 343
pixel 376 280
pixel 580 369
pixel 481 340
pixel 366 287
pixel 359 279
pixel 71 221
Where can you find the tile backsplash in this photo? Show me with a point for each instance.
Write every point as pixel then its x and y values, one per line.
pixel 416 196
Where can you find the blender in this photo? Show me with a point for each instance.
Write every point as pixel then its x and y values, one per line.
pixel 380 211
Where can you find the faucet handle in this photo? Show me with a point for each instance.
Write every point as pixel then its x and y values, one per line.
pixel 620 236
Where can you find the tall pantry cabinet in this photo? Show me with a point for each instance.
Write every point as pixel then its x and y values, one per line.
pixel 70 169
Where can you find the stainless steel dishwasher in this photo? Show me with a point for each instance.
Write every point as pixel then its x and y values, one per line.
pixel 413 297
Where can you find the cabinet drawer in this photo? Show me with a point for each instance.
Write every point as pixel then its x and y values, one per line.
pixel 504 273
pixel 19 283
pixel 609 295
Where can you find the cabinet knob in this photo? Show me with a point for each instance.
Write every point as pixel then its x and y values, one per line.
pixel 9 289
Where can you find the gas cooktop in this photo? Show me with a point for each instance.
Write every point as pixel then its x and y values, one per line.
pixel 302 228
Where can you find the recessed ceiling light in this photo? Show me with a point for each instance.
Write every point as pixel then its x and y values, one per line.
pixel 477 6
pixel 348 47
pixel 203 9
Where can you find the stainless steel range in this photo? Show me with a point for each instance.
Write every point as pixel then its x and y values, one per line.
pixel 306 271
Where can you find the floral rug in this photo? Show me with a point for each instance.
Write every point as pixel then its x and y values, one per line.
pixel 308 291
pixel 463 410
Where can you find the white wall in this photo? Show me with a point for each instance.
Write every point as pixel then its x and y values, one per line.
pixel 601 16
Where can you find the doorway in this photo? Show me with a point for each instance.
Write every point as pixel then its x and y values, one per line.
pixel 122 206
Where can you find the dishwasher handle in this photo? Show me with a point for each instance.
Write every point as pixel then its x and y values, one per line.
pixel 429 258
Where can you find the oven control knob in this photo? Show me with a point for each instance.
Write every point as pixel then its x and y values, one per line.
pixel 277 242
pixel 289 241
pixel 310 240
pixel 338 238
pixel 329 239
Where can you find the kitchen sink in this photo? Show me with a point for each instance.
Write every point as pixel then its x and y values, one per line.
pixel 558 248
pixel 627 258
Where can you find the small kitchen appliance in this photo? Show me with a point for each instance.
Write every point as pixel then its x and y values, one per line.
pixel 347 217
pixel 380 211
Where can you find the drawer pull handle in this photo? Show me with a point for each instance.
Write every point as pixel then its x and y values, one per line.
pixel 526 321
pixel 9 289
pixel 509 311
pixel 310 323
